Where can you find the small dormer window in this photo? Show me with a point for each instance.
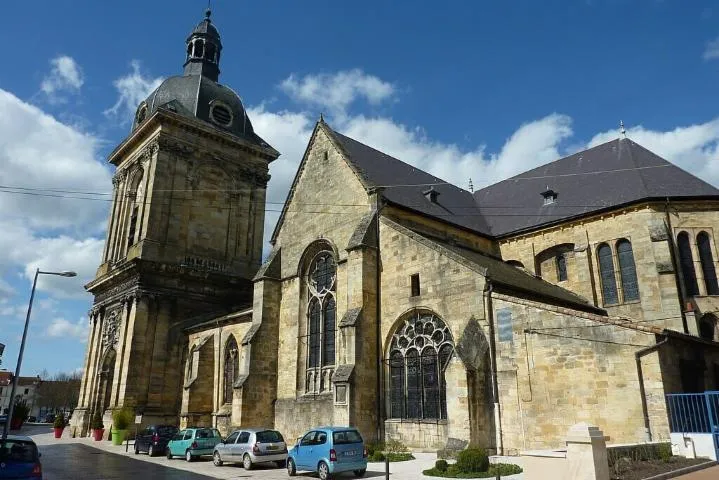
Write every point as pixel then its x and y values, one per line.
pixel 199 48
pixel 221 114
pixel 431 194
pixel 550 196
pixel 141 114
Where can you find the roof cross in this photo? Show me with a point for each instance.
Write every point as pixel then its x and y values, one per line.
pixel 622 130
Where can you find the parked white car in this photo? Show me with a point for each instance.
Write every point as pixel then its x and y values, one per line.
pixel 251 446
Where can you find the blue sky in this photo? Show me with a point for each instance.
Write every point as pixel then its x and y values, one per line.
pixel 462 89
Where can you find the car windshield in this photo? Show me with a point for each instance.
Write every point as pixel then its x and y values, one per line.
pixel 269 436
pixel 18 451
pixel 347 436
pixel 166 431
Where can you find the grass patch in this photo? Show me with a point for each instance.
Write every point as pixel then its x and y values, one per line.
pixel 454 472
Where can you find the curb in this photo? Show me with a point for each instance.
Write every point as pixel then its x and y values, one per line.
pixel 683 471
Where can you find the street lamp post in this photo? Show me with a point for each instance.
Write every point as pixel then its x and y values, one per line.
pixel 22 347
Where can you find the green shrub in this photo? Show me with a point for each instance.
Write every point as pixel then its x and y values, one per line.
pixel 376 456
pixel 441 465
pixel 452 471
pixel 373 447
pixel 59 421
pixel 665 451
pixel 121 419
pixel 96 421
pixel 21 410
pixel 395 446
pixel 472 460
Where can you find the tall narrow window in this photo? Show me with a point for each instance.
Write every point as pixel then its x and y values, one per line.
pixel 628 270
pixel 322 318
pixel 133 226
pixel 232 368
pixel 606 271
pixel 414 288
pixel 417 381
pixel 561 267
pixel 707 261
pixel 686 261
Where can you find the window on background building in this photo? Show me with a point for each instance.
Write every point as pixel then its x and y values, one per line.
pixel 561 262
pixel 232 368
pixel 27 391
pixel 420 351
pixel 321 319
pixel 686 261
pixel 606 272
pixel 707 261
pixel 628 271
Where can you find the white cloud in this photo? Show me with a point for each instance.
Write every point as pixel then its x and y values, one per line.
pixel 711 51
pixel 132 89
pixel 60 327
pixel 65 76
pixel 338 90
pixel 41 156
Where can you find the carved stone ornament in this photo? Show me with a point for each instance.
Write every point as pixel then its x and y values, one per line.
pixel 111 329
pixel 117 290
pixel 175 147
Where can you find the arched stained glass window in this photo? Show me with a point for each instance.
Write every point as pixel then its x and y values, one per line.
pixel 630 284
pixel 322 321
pixel 686 261
pixel 417 380
pixel 232 368
pixel 707 261
pixel 606 271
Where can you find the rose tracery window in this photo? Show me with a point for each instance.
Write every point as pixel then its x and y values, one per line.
pixel 321 321
pixel 232 368
pixel 420 351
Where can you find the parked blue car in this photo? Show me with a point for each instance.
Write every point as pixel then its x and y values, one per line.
pixel 329 450
pixel 19 458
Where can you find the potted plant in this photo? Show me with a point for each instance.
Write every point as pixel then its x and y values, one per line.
pixel 59 424
pixel 19 414
pixel 121 420
pixel 98 428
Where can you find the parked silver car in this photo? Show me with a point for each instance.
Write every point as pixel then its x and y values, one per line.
pixel 250 446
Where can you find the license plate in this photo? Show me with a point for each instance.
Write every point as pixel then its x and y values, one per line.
pixel 272 447
pixel 351 453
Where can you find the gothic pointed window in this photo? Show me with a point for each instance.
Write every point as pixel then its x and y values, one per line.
pixel 420 352
pixel 707 261
pixel 232 368
pixel 321 321
pixel 606 271
pixel 630 284
pixel 686 261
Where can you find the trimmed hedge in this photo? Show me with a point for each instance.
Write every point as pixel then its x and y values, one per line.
pixel 453 472
pixel 472 460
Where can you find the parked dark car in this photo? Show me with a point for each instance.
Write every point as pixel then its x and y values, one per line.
pixel 49 418
pixel 32 419
pixel 154 438
pixel 19 458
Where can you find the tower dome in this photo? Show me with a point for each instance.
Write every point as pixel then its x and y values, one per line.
pixel 196 93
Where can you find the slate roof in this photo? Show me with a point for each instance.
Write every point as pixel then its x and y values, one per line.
pixel 615 173
pixel 376 168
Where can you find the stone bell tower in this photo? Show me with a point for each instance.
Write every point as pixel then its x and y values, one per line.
pixel 184 236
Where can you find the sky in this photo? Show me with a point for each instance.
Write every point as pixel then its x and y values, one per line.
pixel 463 89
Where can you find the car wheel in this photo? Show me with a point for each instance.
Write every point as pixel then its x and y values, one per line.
pixel 324 471
pixel 168 454
pixel 216 459
pixel 291 470
pixel 188 456
pixel 281 464
pixel 151 450
pixel 137 449
pixel 360 473
pixel 247 462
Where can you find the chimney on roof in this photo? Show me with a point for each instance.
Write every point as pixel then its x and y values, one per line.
pixel 431 194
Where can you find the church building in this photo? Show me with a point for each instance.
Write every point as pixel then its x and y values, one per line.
pixel 391 300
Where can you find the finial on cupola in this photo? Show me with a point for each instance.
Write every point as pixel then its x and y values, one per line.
pixel 622 130
pixel 322 117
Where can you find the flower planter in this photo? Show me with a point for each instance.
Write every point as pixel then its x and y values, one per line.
pixel 16 424
pixel 58 432
pixel 97 434
pixel 118 436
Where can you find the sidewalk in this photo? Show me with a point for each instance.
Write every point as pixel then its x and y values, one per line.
pixel 706 474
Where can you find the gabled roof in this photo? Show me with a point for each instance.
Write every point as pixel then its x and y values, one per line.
pixel 609 175
pixel 404 185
